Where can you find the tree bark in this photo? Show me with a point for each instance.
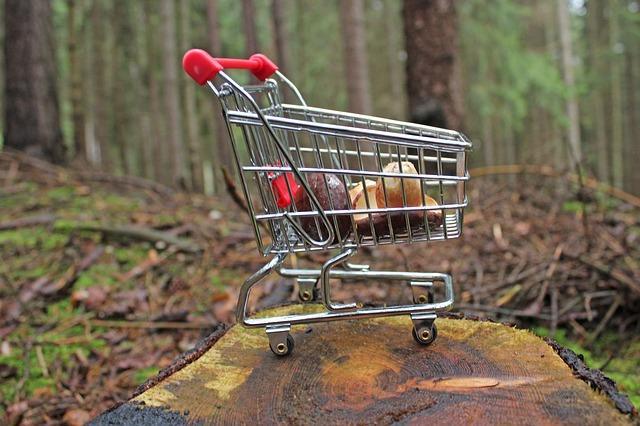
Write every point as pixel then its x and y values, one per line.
pixel 393 45
pixel 573 113
pixel 249 27
pixel 281 36
pixel 355 56
pixel 222 153
pixel 101 93
pixel 76 76
pixel 171 93
pixel 373 372
pixel 617 124
pixel 32 121
pixel 433 75
pixel 124 115
pixel 193 137
pixel 596 25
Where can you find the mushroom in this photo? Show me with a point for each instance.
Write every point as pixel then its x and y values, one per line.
pixel 394 186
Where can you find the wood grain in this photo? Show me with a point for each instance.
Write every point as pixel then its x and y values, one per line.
pixel 371 371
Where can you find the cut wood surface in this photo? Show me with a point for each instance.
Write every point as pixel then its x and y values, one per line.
pixel 372 371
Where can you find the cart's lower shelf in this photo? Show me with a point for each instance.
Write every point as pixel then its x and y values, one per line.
pixel 372 371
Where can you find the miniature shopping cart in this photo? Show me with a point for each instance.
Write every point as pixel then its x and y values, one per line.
pixel 317 180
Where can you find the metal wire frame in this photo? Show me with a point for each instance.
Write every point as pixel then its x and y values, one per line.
pixel 270 138
pixel 280 138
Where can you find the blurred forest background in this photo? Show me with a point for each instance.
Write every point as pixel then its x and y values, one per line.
pixel 105 277
pixel 544 82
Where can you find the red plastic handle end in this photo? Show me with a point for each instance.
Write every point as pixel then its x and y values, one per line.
pixel 200 65
pixel 266 68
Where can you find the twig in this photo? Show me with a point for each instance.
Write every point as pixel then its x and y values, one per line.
pixel 233 193
pixel 40 219
pixel 151 261
pixel 149 324
pixel 232 190
pixel 609 272
pixel 139 233
pixel 603 323
pixel 83 175
pixel 71 275
pixel 548 171
pixel 134 181
pixel 41 361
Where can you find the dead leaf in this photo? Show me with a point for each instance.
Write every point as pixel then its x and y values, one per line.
pixel 76 417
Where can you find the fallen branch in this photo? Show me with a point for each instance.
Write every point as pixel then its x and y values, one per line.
pixel 47 167
pixel 41 219
pixel 149 324
pixel 233 193
pixel 609 272
pixel 138 233
pixel 548 171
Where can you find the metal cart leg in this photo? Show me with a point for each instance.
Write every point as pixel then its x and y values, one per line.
pixel 280 341
pixel 424 328
pixel 325 281
pixel 243 297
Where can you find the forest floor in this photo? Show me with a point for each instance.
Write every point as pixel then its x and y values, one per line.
pixel 104 281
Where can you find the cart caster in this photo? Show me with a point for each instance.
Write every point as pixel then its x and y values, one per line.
pixel 283 348
pixel 425 334
pixel 422 292
pixel 308 291
pixel 280 341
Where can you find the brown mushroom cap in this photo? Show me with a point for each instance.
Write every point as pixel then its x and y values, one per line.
pixel 395 185
pixel 331 196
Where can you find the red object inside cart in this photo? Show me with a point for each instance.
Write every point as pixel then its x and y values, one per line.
pixel 281 192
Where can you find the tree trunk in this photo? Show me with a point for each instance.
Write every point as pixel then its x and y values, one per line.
pixel 171 93
pixel 159 150
pixel 433 86
pixel 278 15
pixel 100 96
pixel 595 37
pixel 373 372
pixel 249 27
pixel 76 76
pixel 32 121
pixel 222 153
pixel 632 178
pixel 617 124
pixel 122 54
pixel 573 113
pixel 395 68
pixel 355 56
pixel 193 137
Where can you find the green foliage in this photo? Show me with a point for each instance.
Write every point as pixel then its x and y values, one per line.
pixel 506 79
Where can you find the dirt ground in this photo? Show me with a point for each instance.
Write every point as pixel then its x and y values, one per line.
pixel 104 281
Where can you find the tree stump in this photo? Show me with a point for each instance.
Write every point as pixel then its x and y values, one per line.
pixel 372 371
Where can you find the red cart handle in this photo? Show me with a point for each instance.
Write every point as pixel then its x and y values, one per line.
pixel 202 67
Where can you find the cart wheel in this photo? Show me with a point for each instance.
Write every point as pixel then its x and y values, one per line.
pixel 282 348
pixel 425 335
pixel 307 296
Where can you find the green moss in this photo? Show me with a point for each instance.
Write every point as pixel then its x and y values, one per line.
pixel 61 193
pixel 143 374
pixel 99 274
pixel 624 369
pixel 132 255
pixel 572 206
pixel 29 238
pixel 23 238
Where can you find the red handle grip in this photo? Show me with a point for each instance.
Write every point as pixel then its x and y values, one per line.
pixel 202 67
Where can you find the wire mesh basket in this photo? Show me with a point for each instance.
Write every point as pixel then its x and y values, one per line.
pixel 323 180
